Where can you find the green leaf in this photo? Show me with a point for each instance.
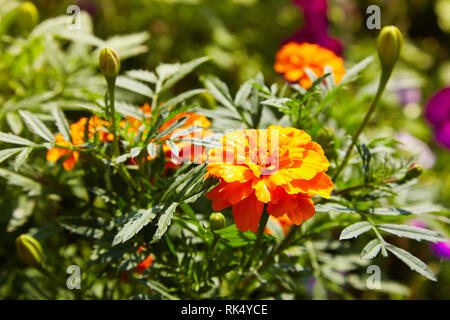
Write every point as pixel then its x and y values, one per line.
pixel 219 91
pixel 243 93
pixel 134 86
pixel 142 75
pixel 371 250
pixel 158 287
pixel 355 230
pixel 413 262
pixel 127 109
pixel 7 153
pixel 14 122
pixel 22 156
pixel 10 138
pixel 62 124
pixel 353 72
pixel 175 125
pixel 36 125
pixel 412 232
pixel 88 227
pixel 181 97
pixel 183 70
pixel 164 222
pixel 138 220
pixel 235 238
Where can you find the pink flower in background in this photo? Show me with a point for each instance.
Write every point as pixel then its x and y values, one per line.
pixel 438 114
pixel 442 249
pixel 316 26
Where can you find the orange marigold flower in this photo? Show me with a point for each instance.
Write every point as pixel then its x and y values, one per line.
pixel 187 150
pixel 77 132
pixel 144 264
pixel 293 58
pixel 280 167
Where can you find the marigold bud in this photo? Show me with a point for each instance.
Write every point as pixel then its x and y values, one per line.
pixel 28 16
pixel 109 63
pixel 389 45
pixel 29 250
pixel 217 221
pixel 413 172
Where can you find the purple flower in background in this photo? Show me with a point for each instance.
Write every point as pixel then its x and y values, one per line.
pixel 438 114
pixel 442 249
pixel 410 95
pixel 89 6
pixel 316 26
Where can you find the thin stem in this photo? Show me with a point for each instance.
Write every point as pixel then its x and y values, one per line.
pixel 111 88
pixel 261 227
pixel 385 75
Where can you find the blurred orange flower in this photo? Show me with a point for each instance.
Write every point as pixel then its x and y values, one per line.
pixel 77 132
pixel 144 264
pixel 280 167
pixel 187 150
pixel 293 58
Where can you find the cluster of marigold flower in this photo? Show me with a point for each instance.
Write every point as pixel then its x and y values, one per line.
pixel 278 169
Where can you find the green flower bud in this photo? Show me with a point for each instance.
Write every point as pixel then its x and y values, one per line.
pixel 389 45
pixel 29 250
pixel 109 63
pixel 413 172
pixel 28 16
pixel 217 221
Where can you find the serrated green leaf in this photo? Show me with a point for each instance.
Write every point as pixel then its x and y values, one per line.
pixel 134 86
pixel 142 75
pixel 10 138
pixel 181 97
pixel 182 71
pixel 371 250
pixel 139 219
pixel 411 261
pixel 36 125
pixel 164 222
pixel 82 226
pixel 7 153
pixel 219 91
pixel 62 124
pixel 21 157
pixel 355 230
pixel 412 232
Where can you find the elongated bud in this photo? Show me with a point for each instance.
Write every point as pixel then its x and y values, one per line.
pixel 389 45
pixel 28 16
pixel 29 250
pixel 109 63
pixel 217 221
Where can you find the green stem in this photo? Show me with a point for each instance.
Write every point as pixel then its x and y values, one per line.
pixel 261 227
pixel 385 75
pixel 111 89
